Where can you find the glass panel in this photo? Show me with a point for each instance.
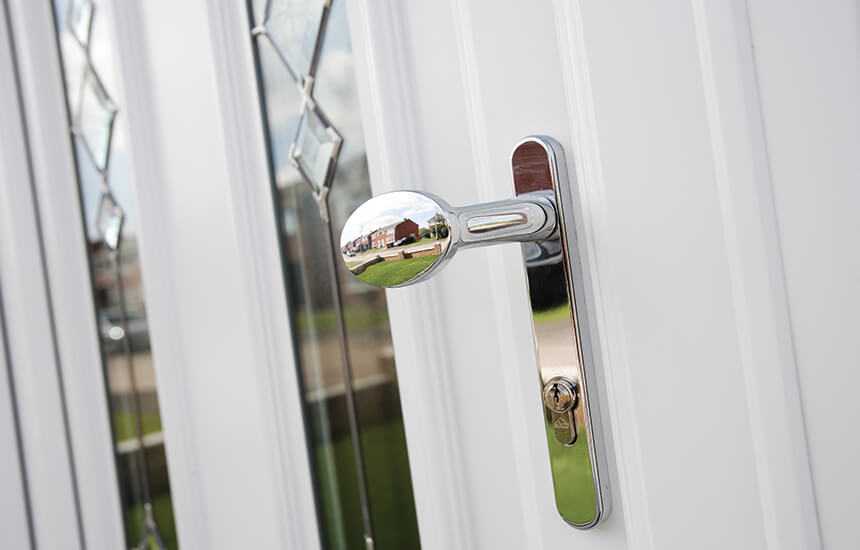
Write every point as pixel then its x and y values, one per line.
pixel 293 26
pixel 111 229
pixel 80 20
pixel 340 325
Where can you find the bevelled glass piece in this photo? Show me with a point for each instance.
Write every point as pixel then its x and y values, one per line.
pixel 79 19
pixel 94 120
pixel 293 27
pixel 315 148
pixel 109 221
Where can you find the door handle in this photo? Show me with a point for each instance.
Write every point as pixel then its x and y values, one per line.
pixel 403 237
pixel 388 233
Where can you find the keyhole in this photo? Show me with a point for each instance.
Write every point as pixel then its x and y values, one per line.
pixel 555 393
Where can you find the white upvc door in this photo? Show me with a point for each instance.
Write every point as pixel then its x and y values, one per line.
pixel 713 146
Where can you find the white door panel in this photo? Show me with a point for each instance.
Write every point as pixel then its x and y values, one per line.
pixel 808 62
pixel 659 107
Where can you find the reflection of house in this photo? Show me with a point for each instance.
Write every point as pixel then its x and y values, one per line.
pixel 388 235
pixel 359 244
pixel 382 237
pixel 438 226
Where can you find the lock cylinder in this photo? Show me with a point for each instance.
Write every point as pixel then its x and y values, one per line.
pixel 561 396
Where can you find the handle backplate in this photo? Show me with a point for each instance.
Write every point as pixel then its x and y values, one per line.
pixel 565 361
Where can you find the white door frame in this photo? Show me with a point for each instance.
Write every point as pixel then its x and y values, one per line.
pixel 15 513
pixel 221 344
pixel 50 324
pixel 15 523
pixel 222 348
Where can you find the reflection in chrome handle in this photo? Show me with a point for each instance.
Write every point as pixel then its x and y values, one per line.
pixel 412 234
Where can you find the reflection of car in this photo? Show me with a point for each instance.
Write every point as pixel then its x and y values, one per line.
pixel 351 253
pixel 408 239
pixel 545 252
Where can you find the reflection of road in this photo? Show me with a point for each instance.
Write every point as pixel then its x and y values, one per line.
pixel 555 343
pixel 369 361
pixel 361 257
pixel 119 379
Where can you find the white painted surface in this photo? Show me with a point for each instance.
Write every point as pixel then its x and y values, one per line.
pixel 68 278
pixel 808 61
pixel 29 326
pixel 14 512
pixel 222 352
pixel 666 111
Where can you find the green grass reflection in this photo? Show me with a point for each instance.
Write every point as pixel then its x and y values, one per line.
pixel 125 425
pixel 162 509
pixel 392 273
pixel 552 314
pixel 571 477
pixel 395 526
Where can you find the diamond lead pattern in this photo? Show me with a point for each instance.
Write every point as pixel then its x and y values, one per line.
pixel 94 113
pixel 94 120
pixel 294 27
pixel 79 19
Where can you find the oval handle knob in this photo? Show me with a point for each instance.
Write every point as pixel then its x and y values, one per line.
pixel 403 237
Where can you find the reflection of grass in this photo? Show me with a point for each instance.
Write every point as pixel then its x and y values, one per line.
pixel 571 477
pixel 397 271
pixel 394 523
pixel 125 427
pixel 355 317
pixel 552 314
pixel 408 245
pixel 162 509
pixel 427 241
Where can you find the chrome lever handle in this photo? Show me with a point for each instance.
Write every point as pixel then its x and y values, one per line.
pixel 528 218
pixel 411 225
pixel 404 237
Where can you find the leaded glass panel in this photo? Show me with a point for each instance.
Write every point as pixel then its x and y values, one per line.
pixel 104 183
pixel 340 326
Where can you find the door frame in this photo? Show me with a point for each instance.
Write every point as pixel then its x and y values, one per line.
pixel 225 373
pixel 222 345
pixel 53 340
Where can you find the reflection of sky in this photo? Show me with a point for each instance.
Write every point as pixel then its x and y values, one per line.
pixel 387 209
